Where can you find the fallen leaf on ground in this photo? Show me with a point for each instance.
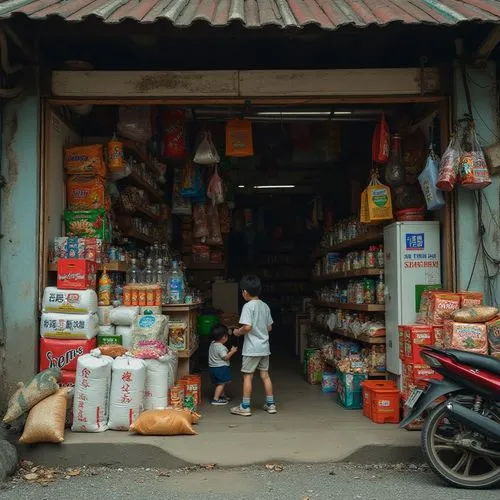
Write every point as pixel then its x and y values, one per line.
pixel 32 476
pixel 73 472
pixel 274 467
pixel 208 466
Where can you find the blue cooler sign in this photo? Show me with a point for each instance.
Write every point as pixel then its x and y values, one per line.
pixel 415 241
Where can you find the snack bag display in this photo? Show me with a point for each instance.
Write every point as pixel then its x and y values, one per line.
pixel 442 306
pixel 239 139
pixel 493 330
pixel 474 172
pixel 434 198
pixel 448 168
pixel 88 223
pixel 379 200
pixel 85 193
pixel 86 160
pixel 470 337
pixel 470 299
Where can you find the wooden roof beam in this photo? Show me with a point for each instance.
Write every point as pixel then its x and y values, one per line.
pixel 484 51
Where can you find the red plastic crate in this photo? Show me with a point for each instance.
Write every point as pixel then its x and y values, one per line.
pixel 381 401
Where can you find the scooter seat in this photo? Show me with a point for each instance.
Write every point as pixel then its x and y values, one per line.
pixel 487 363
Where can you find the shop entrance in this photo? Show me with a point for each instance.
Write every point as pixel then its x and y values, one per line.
pixel 285 204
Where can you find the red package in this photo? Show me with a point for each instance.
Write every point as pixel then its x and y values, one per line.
pixel 174 141
pixel 416 336
pixel 439 337
pixel 470 299
pixel 473 172
pixel 448 168
pixel 381 144
pixel 76 274
pixel 63 354
pixel 422 372
pixel 67 379
pixel 442 306
pixel 402 336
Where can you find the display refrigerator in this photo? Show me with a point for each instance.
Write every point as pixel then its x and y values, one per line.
pixel 412 264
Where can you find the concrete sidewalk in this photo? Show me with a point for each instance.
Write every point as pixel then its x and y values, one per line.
pixel 309 427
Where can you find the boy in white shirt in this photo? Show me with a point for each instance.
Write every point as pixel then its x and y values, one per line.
pixel 257 323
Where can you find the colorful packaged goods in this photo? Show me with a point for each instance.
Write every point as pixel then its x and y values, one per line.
pixel 377 359
pixel 442 306
pixel 67 378
pixel 329 382
pixel 415 337
pixel 470 299
pixel 88 223
pixel 63 354
pixel 86 160
pixel 439 337
pixel 71 247
pixel 315 367
pixel 493 329
pixel 478 314
pixel 116 157
pixel 470 337
pixel 349 394
pixel 402 336
pixel 176 396
pixel 381 401
pixel 85 193
pixel 68 326
pixel 69 301
pixel 178 335
pixel 76 274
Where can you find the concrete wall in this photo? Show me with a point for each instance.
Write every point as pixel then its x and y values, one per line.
pixel 19 222
pixel 482 84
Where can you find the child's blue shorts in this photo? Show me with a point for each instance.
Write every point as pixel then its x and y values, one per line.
pixel 220 374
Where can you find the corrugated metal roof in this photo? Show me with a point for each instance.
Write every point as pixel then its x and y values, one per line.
pixel 326 14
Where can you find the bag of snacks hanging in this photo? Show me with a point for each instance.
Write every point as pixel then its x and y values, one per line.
pixel 434 198
pixel 378 200
pixel 473 170
pixel 174 140
pixel 215 235
pixel 215 190
pixel 206 154
pixel 381 142
pixel 239 139
pixel 448 168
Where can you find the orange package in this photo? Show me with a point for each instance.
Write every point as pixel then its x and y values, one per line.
pixel 87 160
pixel 470 337
pixel 239 139
pixel 85 192
pixel 442 306
pixel 470 299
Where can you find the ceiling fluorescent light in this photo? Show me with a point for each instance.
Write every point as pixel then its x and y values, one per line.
pixel 241 186
pixel 278 186
pixel 339 113
pixel 294 113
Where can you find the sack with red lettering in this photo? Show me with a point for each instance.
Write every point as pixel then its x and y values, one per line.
pixel 442 306
pixel 471 337
pixel 128 380
pixel 63 353
pixel 91 399
pixel 174 140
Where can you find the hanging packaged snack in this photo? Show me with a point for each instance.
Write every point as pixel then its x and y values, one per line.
pixel 215 190
pixel 174 140
pixel 215 235
pixel 239 139
pixel 88 223
pixel 434 198
pixel 448 168
pixel 200 221
pixel 85 192
pixel 381 142
pixel 378 200
pixel 364 217
pixel 473 168
pixel 116 156
pixel 85 160
pixel 134 123
pixel 206 154
pixel 180 205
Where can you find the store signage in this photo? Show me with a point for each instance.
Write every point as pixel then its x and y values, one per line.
pixel 415 256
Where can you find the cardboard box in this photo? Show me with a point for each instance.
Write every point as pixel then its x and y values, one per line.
pixel 416 336
pixel 76 274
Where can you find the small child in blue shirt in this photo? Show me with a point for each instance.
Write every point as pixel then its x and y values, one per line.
pixel 218 363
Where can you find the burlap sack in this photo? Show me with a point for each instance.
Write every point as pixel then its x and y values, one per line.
pixel 167 422
pixel 47 419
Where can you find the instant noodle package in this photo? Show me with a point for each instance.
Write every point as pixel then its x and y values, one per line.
pixel 470 337
pixel 85 192
pixel 86 160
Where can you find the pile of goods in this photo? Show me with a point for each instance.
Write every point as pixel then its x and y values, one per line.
pixel 447 320
pixel 334 262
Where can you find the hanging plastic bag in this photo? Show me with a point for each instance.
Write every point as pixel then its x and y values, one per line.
pixel 215 235
pixel 200 221
pixel 434 198
pixel 381 142
pixel 215 190
pixel 379 200
pixel 473 168
pixel 134 123
pixel 174 139
pixel 448 168
pixel 206 154
pixel 239 139
pixel 364 217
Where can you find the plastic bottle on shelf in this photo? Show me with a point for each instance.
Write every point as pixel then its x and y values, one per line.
pixel 380 290
pixel 161 279
pixel 133 273
pixel 380 257
pixel 149 273
pixel 105 288
pixel 175 284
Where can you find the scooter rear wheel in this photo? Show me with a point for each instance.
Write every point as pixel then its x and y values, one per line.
pixel 455 465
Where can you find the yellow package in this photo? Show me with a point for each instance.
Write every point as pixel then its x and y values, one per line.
pixel 87 160
pixel 379 202
pixel 85 192
pixel 364 217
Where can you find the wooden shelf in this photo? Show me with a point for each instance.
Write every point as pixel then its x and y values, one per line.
pixel 179 307
pixel 114 267
pixel 187 354
pixel 351 307
pixel 138 150
pixel 138 236
pixel 143 211
pixel 375 236
pixel 135 179
pixel 365 339
pixel 356 273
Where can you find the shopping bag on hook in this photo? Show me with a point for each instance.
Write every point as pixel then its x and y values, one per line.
pixel 239 139
pixel 448 168
pixel 381 142
pixel 379 200
pixel 206 154
pixel 473 170
pixel 434 198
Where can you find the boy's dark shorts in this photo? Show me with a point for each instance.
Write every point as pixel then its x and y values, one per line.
pixel 220 375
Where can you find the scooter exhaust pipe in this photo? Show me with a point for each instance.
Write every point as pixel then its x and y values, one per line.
pixel 473 420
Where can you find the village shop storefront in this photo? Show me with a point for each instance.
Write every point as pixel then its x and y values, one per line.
pixel 83 108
